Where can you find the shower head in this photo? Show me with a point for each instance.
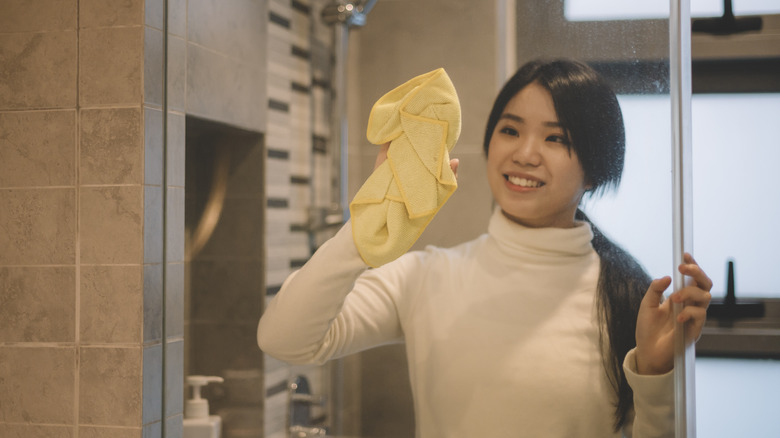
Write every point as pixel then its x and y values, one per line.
pixel 352 13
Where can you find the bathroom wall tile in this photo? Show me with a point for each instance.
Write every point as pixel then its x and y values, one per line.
pixel 174 426
pixel 226 290
pixel 109 432
pixel 111 304
pixel 225 89
pixel 35 430
pixel 153 146
pixel 38 70
pixel 115 368
pixel 111 224
pixel 177 17
pixel 38 226
pixel 111 146
pixel 28 372
pixel 247 169
pixel 174 378
pixel 175 148
pixel 153 430
pixel 111 66
pixel 153 303
pixel 153 224
pixel 39 304
pixel 224 345
pixel 153 66
pixel 236 29
pixel 37 148
pixel 174 233
pixel 152 383
pixel 39 15
pixel 154 13
pixel 174 301
pixel 177 66
pixel 105 13
pixel 239 232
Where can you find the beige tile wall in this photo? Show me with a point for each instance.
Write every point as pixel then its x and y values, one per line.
pixel 81 202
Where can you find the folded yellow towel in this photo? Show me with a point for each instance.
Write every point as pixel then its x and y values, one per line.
pixel 421 120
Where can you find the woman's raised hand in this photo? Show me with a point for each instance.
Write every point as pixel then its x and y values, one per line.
pixel 655 323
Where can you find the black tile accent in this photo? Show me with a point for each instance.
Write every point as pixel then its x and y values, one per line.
pixel 273 290
pixel 297 263
pixel 319 144
pixel 278 105
pixel 301 88
pixel 298 228
pixel 300 52
pixel 321 83
pixel 276 389
pixel 301 7
pixel 303 180
pixel 278 19
pixel 277 203
pixel 278 154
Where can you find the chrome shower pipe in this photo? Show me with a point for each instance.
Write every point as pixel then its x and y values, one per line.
pixel 343 15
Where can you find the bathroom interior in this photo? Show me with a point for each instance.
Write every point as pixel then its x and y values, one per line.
pixel 165 164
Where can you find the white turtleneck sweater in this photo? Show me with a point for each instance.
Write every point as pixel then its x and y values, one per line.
pixel 501 332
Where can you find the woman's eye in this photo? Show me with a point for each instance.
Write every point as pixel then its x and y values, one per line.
pixel 508 131
pixel 558 139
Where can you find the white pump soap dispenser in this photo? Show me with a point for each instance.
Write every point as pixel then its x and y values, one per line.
pixel 197 421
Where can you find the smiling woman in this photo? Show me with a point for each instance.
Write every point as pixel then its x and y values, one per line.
pixel 563 331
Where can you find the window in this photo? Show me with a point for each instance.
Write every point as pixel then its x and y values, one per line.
pixel 736 189
pixel 603 10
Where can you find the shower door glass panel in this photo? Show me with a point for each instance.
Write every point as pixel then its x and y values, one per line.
pixel 600 10
pixel 634 56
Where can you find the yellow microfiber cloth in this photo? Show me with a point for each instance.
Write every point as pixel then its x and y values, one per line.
pixel 421 120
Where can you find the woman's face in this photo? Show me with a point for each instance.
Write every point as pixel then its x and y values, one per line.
pixel 534 176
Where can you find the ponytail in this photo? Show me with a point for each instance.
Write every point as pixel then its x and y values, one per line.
pixel 621 286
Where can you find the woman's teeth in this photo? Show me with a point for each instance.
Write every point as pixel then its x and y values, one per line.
pixel 523 182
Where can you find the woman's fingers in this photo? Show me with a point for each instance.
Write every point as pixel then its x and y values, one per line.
pixel 694 271
pixel 655 292
pixel 454 163
pixel 382 155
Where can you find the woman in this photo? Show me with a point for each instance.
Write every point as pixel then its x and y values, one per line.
pixel 541 326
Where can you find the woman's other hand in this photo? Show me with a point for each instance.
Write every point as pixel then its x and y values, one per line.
pixel 655 323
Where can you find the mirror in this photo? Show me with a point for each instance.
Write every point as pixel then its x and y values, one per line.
pixel 266 65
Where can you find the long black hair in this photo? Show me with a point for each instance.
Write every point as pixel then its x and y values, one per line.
pixel 589 112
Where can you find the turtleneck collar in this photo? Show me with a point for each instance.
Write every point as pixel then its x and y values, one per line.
pixel 539 243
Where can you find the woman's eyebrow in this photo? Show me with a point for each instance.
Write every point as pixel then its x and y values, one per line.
pixel 518 119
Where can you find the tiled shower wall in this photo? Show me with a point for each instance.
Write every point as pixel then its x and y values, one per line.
pixel 82 187
pixel 81 221
pixel 299 170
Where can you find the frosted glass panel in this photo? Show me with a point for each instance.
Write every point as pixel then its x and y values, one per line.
pixel 737 398
pixel 736 188
pixel 602 10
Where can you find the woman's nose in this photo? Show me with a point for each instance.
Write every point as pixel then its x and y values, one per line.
pixel 527 152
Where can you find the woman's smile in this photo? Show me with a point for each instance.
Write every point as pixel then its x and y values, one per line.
pixel 522 182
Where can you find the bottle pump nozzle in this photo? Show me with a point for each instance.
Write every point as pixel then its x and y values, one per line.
pixel 198 407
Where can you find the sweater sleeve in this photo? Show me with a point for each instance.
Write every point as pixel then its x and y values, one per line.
pixel 320 314
pixel 653 402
